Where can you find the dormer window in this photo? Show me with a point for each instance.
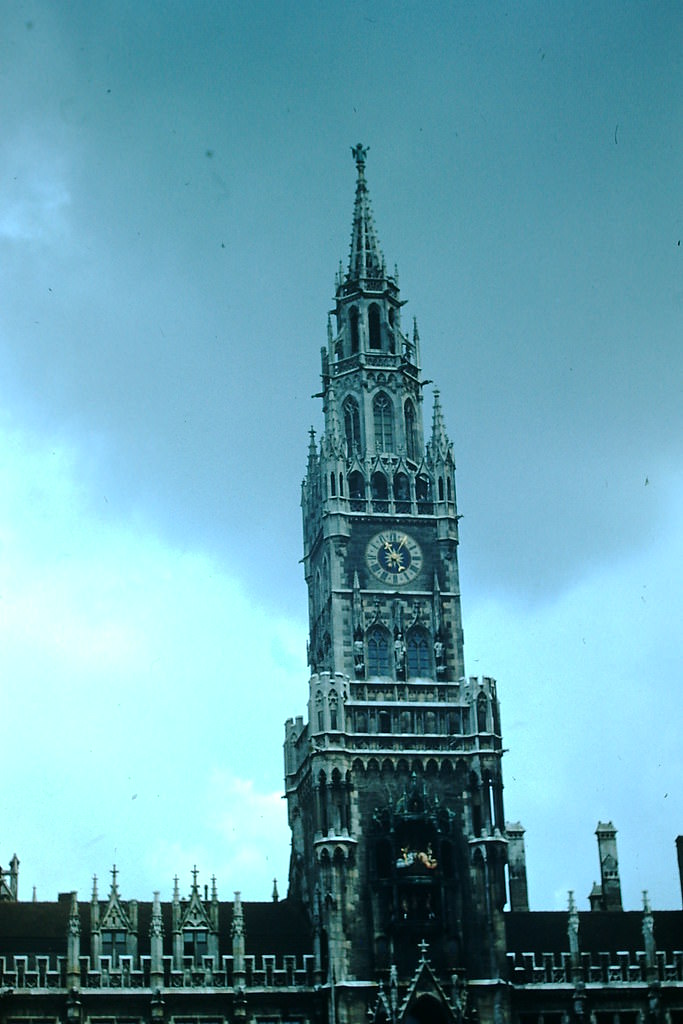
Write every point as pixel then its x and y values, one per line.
pixel 195 944
pixel 113 944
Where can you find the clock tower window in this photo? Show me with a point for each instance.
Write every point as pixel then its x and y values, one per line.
pixel 380 493
pixel 374 326
pixel 352 427
pixel 384 423
pixel 419 655
pixel 353 324
pixel 402 493
pixel 357 491
pixel 411 444
pixel 378 652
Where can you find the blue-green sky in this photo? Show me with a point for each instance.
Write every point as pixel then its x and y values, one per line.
pixel 177 187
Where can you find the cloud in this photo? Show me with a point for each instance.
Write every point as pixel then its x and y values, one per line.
pixel 590 700
pixel 36 198
pixel 144 683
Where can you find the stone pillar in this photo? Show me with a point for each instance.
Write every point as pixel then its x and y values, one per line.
pixel 95 935
pixel 156 943
pixel 648 929
pixel 177 934
pixel 238 944
pixel 73 945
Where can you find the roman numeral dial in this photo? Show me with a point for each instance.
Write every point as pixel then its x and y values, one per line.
pixel 393 557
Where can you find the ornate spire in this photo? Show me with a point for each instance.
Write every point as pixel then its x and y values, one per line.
pixel 439 438
pixel 366 258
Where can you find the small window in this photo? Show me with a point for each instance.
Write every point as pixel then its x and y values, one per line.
pixel 374 326
pixel 353 324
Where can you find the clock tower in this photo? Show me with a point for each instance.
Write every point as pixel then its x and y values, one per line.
pixel 393 783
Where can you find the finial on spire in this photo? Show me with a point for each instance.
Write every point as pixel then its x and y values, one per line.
pixel 359 153
pixel 114 873
pixel 365 260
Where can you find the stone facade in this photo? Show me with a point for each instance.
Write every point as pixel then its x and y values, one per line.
pixel 407 898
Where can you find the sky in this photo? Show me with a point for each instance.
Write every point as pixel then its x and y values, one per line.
pixel 177 190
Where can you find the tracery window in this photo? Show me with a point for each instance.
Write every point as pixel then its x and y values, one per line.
pixel 419 655
pixel 384 423
pixel 351 425
pixel 411 442
pixel 378 652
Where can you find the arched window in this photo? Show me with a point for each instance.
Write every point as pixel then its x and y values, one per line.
pixel 440 486
pixel 384 423
pixel 378 652
pixel 449 488
pixel 333 485
pixel 423 495
pixel 380 493
pixel 351 425
pixel 402 492
pixel 357 491
pixel 374 326
pixel 419 655
pixel 411 442
pixel 353 324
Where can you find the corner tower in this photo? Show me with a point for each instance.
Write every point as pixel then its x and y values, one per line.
pixel 394 784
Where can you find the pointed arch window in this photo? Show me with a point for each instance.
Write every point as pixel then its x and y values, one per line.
pixel 380 493
pixel 353 325
pixel 411 440
pixel 384 423
pixel 374 326
pixel 351 426
pixel 378 652
pixel 402 493
pixel 423 493
pixel 419 655
pixel 357 491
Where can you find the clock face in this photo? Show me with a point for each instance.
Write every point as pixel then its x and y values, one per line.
pixel 394 557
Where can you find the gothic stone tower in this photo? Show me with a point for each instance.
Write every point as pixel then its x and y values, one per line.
pixel 394 785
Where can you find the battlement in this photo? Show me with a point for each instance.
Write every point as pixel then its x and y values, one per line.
pixel 603 968
pixel 50 972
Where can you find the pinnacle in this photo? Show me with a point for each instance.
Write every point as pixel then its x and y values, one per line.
pixel 366 259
